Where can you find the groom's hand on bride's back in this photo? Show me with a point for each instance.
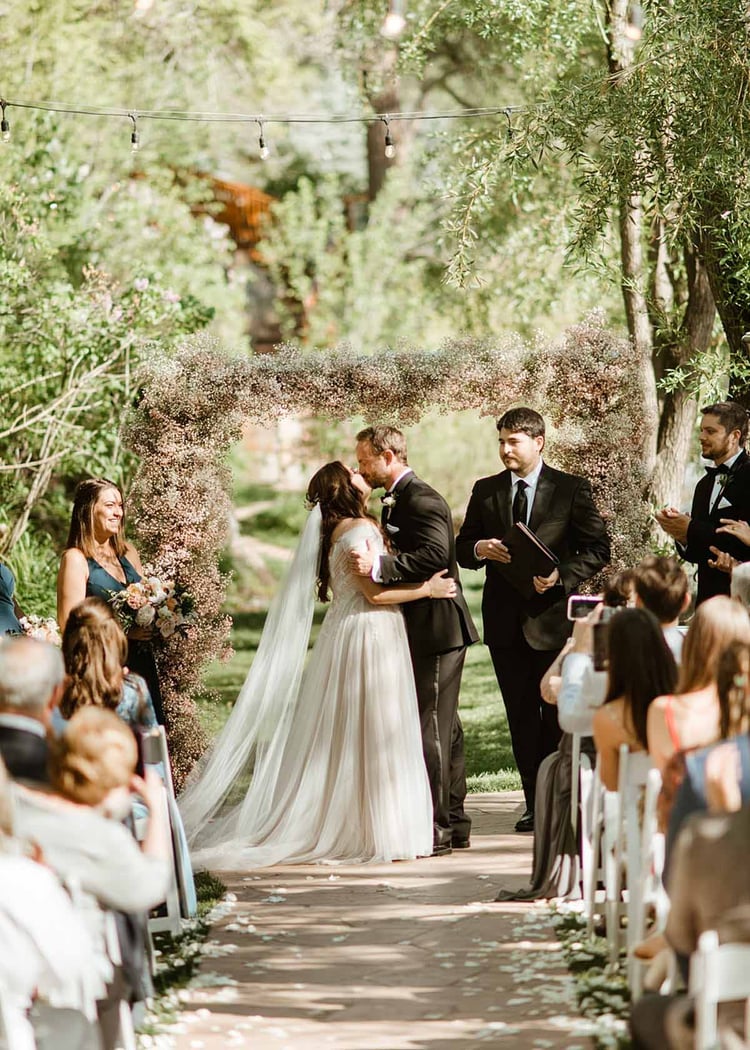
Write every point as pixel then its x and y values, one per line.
pixel 361 561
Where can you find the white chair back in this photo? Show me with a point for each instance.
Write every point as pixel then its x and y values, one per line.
pixel 719 973
pixel 633 773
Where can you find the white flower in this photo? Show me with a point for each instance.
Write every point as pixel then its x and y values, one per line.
pixel 389 500
pixel 140 284
pixel 145 616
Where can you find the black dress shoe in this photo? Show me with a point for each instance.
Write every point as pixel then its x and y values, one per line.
pixel 526 823
pixel 441 849
pixel 460 842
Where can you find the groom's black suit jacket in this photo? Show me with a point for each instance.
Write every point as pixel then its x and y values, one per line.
pixel 420 527
pixel 564 518
pixel 703 524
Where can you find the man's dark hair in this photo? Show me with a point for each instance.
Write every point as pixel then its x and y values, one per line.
pixel 524 419
pixel 731 416
pixel 618 589
pixel 661 584
pixel 382 438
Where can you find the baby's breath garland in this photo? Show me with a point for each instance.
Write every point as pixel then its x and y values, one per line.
pixel 194 401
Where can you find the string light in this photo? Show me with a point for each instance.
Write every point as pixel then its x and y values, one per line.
pixel 390 148
pixel 510 123
pixel 394 23
pixel 263 149
pixel 4 124
pixel 135 139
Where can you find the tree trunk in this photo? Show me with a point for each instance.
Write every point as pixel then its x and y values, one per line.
pixel 678 408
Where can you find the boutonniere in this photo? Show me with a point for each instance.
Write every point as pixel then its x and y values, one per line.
pixel 389 500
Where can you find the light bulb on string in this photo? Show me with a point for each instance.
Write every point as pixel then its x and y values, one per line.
pixel 390 147
pixel 263 150
pixel 394 22
pixel 135 139
pixel 4 123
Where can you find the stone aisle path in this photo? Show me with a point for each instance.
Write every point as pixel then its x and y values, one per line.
pixel 406 956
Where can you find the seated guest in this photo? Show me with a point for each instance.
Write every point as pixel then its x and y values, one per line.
pixel 10 614
pixel 95 649
pixel 78 829
pixel 632 685
pixel 660 586
pixel 691 717
pixel 709 890
pixel 734 704
pixel 31 682
pixel 45 947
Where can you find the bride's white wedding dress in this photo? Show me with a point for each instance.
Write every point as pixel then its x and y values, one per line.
pixel 338 768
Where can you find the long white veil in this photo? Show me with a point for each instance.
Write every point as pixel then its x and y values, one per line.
pixel 215 805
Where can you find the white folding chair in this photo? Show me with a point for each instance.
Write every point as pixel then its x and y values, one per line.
pixel 651 890
pixel 631 783
pixel 719 973
pixel 171 921
pixel 599 862
pixel 183 868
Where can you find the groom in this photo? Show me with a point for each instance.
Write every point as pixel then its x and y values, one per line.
pixel 418 523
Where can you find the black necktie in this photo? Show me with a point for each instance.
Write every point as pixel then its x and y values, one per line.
pixel 520 503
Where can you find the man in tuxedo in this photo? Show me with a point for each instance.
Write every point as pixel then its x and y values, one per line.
pixel 419 525
pixel 723 493
pixel 32 675
pixel 524 635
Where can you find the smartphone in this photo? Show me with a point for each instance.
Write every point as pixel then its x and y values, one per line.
pixel 580 605
pixel 600 639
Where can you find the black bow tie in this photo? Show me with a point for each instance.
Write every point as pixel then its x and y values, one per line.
pixel 714 472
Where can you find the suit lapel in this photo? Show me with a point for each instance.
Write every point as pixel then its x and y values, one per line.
pixel 545 489
pixel 501 500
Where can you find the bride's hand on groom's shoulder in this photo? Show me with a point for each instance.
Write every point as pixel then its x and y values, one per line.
pixel 361 561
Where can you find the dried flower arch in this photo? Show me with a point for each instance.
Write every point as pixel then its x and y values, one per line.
pixel 194 401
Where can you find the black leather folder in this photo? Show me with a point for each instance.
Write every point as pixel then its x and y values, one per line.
pixel 530 558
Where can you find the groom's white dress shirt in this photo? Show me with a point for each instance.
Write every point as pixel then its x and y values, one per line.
pixel 376 574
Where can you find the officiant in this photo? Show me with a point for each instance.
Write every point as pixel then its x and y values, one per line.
pixel 525 621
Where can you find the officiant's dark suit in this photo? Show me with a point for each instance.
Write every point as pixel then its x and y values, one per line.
pixel 419 525
pixel 524 635
pixel 724 492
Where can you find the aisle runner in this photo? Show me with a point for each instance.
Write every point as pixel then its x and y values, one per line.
pixel 387 957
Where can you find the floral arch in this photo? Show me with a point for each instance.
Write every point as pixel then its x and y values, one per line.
pixel 194 401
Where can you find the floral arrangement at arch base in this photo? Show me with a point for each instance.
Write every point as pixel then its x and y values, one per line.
pixel 195 400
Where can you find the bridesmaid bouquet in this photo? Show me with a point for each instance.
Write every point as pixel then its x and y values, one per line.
pixel 152 602
pixel 42 627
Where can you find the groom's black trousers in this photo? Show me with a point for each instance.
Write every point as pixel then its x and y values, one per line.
pixel 438 680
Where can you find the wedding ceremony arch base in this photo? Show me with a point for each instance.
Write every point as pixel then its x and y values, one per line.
pixel 194 400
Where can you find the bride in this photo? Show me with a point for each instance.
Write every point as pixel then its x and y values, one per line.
pixel 332 753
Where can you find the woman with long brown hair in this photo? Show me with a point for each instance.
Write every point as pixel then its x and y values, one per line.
pixel 692 716
pixel 334 751
pixel 95 651
pixel 98 561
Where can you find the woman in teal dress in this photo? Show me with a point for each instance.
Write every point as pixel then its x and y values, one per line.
pixel 98 561
pixel 9 611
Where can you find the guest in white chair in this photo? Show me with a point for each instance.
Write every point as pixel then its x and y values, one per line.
pixel 78 828
pixel 640 667
pixel 46 950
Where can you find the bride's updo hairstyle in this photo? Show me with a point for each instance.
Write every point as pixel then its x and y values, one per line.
pixel 81 533
pixel 332 489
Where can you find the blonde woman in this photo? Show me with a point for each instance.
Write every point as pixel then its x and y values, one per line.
pixel 691 716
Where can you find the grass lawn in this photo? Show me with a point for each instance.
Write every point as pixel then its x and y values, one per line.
pixel 489 760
